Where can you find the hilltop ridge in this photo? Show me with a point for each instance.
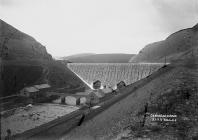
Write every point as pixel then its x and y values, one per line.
pixel 100 58
pixel 179 45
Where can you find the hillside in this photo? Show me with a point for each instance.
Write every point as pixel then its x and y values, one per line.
pixel 101 58
pixel 180 45
pixel 76 56
pixel 15 44
pixel 25 62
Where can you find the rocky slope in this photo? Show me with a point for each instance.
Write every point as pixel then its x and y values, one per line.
pixel 15 44
pixel 180 45
pixel 101 58
pixel 25 62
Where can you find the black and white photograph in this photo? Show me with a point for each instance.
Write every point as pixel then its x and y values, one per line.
pixel 99 69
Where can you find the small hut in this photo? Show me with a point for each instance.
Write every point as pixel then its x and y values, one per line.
pixel 99 93
pixel 121 85
pixel 70 100
pixel 107 90
pixel 29 92
pixel 94 99
pixel 84 100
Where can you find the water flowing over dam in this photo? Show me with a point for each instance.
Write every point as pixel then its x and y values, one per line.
pixel 112 73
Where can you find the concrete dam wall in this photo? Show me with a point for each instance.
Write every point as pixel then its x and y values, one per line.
pixel 112 73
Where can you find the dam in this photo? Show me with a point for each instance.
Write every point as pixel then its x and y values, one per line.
pixel 66 126
pixel 112 73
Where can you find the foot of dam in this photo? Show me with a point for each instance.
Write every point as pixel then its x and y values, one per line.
pixel 112 73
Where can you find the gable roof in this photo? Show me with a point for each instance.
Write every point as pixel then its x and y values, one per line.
pixel 42 86
pixel 106 90
pixel 31 89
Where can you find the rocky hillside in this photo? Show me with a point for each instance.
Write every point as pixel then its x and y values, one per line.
pixel 101 58
pixel 25 62
pixel 180 45
pixel 15 44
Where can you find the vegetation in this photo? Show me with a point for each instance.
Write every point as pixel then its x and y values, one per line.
pixel 16 77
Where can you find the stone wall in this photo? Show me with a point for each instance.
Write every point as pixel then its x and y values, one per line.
pixel 111 74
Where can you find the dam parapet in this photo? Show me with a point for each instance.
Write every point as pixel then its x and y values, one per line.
pixel 112 73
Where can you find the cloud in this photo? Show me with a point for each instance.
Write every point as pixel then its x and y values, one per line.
pixel 174 15
pixel 99 26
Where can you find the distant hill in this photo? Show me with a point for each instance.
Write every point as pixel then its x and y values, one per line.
pixel 178 45
pixel 24 62
pixel 100 58
pixel 77 56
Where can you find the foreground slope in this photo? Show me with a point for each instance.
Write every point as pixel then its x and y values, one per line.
pixel 181 44
pixel 24 62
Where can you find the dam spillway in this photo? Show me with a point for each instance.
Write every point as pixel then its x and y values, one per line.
pixel 112 73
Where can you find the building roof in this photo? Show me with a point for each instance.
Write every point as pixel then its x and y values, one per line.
pixel 98 93
pixel 31 89
pixel 42 86
pixel 85 93
pixel 106 90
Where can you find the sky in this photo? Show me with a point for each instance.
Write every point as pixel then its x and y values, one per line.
pixel 69 27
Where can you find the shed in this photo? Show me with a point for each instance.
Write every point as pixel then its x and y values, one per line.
pixel 70 100
pixel 94 99
pixel 121 85
pixel 58 101
pixel 107 90
pixel 99 93
pixel 29 91
pixel 84 100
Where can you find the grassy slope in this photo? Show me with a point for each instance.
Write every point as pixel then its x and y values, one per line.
pixel 175 92
pixel 173 47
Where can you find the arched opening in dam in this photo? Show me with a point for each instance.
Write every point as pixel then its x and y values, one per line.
pixel 112 73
